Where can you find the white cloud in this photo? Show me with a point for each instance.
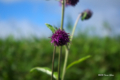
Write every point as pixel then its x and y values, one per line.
pixel 23 29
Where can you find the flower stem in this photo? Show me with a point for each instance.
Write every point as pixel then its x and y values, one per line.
pixel 73 31
pixel 59 62
pixel 62 21
pixel 65 62
pixel 54 51
pixel 63 10
pixel 68 47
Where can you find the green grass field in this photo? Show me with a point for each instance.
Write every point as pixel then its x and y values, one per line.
pixel 17 57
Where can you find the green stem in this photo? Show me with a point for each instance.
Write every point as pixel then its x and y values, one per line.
pixel 62 21
pixel 65 62
pixel 54 51
pixel 68 47
pixel 59 62
pixel 73 31
pixel 63 10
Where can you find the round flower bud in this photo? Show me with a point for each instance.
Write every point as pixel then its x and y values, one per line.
pixel 86 14
pixel 70 2
pixel 60 38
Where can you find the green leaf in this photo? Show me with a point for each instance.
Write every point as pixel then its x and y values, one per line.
pixel 45 70
pixel 50 27
pixel 78 61
pixel 84 15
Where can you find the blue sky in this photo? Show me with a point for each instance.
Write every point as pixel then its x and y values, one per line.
pixel 28 17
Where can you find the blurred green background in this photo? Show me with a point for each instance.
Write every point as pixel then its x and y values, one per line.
pixel 17 57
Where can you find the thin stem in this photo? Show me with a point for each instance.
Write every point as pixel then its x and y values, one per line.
pixel 59 62
pixel 63 10
pixel 62 21
pixel 54 51
pixel 73 31
pixel 68 47
pixel 65 62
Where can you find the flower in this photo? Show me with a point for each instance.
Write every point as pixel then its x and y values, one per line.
pixel 70 2
pixel 86 14
pixel 60 38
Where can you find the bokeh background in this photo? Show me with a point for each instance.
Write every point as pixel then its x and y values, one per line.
pixel 24 41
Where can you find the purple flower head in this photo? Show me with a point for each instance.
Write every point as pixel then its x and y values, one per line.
pixel 60 38
pixel 88 14
pixel 70 2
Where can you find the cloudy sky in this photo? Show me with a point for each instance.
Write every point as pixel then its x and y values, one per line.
pixel 25 18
